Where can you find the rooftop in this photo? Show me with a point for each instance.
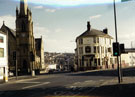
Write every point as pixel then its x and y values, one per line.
pixel 93 32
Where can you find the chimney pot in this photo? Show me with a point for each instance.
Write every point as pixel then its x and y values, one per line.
pixel 105 31
pixel 88 26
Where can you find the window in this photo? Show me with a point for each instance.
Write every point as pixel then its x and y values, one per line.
pixel 1 39
pixel 109 50
pixel 110 41
pixel 87 49
pixel 80 41
pixel 105 50
pixel 94 39
pixel 81 50
pixel 102 49
pixel 98 40
pixel 98 49
pixel 94 49
pixel 1 52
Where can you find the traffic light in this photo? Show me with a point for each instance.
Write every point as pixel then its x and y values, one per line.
pixel 14 55
pixel 116 49
pixel 122 48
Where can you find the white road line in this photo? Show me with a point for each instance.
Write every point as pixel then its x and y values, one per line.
pixel 36 85
pixel 29 82
pixel 25 80
pixel 89 81
pixel 77 83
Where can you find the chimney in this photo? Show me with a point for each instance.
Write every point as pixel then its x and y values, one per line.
pixel 88 26
pixel 105 31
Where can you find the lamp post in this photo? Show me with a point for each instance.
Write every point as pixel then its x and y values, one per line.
pixel 115 21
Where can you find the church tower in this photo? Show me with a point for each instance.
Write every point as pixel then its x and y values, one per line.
pixel 25 38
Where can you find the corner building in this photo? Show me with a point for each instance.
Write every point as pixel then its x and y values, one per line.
pixel 93 49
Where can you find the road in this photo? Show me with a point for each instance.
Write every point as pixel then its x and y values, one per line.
pixel 65 84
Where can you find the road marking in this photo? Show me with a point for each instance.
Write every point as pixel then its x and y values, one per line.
pixel 72 86
pixel 89 81
pixel 25 80
pixel 29 82
pixel 36 85
pixel 77 83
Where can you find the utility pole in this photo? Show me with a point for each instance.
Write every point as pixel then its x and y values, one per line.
pixel 115 20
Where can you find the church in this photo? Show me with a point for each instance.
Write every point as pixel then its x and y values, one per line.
pixel 29 50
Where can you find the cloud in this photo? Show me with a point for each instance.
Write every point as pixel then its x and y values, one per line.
pixel 40 31
pixel 52 44
pixel 95 17
pixel 69 2
pixel 50 10
pixel 9 21
pixel 58 30
pixel 38 7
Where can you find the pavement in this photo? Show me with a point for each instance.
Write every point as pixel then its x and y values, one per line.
pixel 113 89
pixel 98 83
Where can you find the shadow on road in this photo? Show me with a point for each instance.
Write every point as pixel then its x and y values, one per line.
pixel 122 90
pixel 125 72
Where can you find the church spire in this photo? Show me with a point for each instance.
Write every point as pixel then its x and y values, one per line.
pixel 23 7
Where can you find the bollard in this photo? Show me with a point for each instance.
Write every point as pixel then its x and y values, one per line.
pixel 5 76
pixel 33 73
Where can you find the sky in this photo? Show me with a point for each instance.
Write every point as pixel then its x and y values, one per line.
pixel 59 22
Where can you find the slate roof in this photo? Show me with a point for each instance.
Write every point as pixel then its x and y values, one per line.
pixel 3 32
pixel 94 32
pixel 6 29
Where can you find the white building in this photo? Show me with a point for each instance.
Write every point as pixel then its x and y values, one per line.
pixel 3 57
pixel 128 58
pixel 93 49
